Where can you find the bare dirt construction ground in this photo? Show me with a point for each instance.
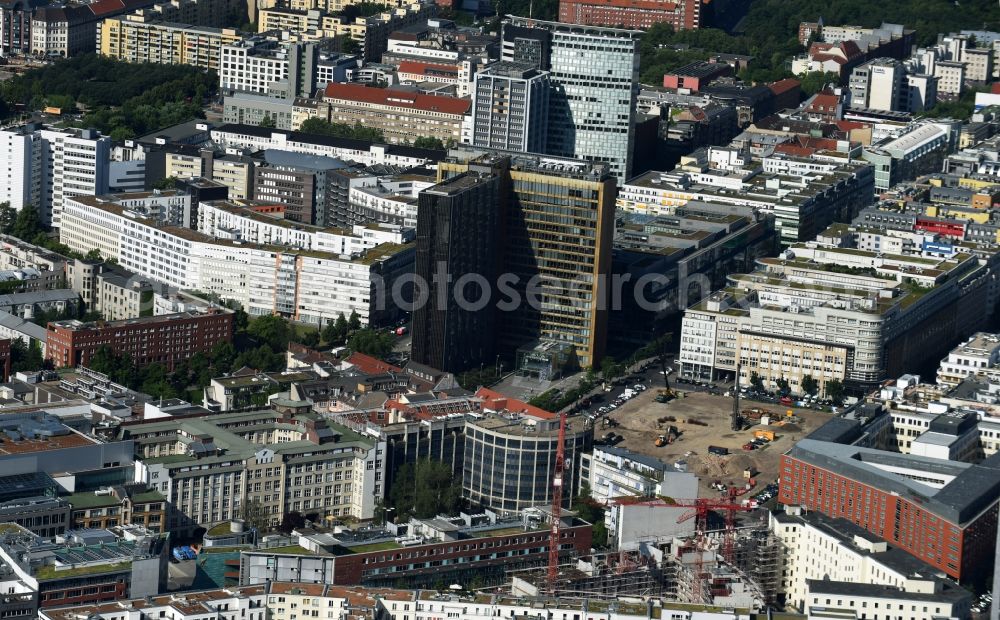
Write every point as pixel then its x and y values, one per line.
pixel 638 425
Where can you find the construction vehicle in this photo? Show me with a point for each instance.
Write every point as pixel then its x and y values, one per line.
pixel 667 438
pixel 763 434
pixel 664 395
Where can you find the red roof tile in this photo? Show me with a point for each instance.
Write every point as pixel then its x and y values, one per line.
pixel 783 86
pixel 499 402
pixel 397 98
pixel 425 68
pixel 370 365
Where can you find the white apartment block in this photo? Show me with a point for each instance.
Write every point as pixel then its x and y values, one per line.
pixel 253 66
pixel 262 138
pixel 951 77
pixel 616 472
pixel 79 161
pixel 20 167
pixel 45 166
pixel 979 353
pixel 312 283
pixel 832 566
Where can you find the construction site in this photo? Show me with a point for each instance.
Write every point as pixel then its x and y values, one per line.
pixel 695 431
pixel 695 570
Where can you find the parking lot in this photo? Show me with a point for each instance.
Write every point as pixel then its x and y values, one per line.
pixel 702 420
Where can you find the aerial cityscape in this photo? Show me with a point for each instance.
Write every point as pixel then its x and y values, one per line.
pixel 499 309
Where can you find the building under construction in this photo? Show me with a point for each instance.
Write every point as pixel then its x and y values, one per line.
pixel 698 572
pixel 689 570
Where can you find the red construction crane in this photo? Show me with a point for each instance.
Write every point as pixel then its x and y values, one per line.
pixel 557 490
pixel 728 506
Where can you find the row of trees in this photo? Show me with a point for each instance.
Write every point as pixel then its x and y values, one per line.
pixel 342 130
pixel 834 388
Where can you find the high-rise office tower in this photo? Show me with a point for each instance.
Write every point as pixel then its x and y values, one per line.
pixel 510 108
pixel 556 223
pixel 593 77
pixel 457 239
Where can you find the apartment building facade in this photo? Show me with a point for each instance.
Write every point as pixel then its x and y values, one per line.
pixel 288 459
pixel 403 116
pixel 165 339
pixel 509 108
pixel 313 277
pixel 637 14
pixel 134 38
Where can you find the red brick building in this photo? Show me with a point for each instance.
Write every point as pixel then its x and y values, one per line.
pixel 165 339
pixel 637 14
pixel 943 512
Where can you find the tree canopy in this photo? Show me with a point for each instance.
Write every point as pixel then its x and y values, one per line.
pixel 341 130
pixel 424 490
pixel 124 99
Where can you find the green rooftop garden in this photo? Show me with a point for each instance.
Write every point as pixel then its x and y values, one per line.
pixel 49 571
pixel 379 546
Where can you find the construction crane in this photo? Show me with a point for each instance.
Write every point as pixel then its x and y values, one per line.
pixel 557 491
pixel 736 420
pixel 728 506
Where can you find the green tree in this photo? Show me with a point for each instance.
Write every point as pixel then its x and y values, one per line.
pixel 815 81
pixel 254 515
pixel 429 143
pixel 809 385
pixel 354 321
pixel 424 490
pixel 268 122
pixel 835 390
pixel 27 224
pixel 609 368
pixel 592 512
pixel 223 356
pixel 271 330
pixel 756 382
pixel 7 218
pixel 165 183
pixel 371 342
pixel 347 45
pixel 335 332
pixel 341 130
pixel 783 386
pixel 94 254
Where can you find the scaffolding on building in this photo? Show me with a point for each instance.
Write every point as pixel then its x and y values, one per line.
pixel 600 576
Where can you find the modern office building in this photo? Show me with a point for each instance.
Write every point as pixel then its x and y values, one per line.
pixel 287 459
pixel 510 455
pixel 165 339
pixel 510 108
pixel 637 14
pixel 919 150
pixel 297 180
pixel 880 84
pixel 834 313
pixel 593 76
pixel 804 194
pixel 86 567
pixel 265 66
pixel 539 243
pixel 457 252
pixel 460 548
